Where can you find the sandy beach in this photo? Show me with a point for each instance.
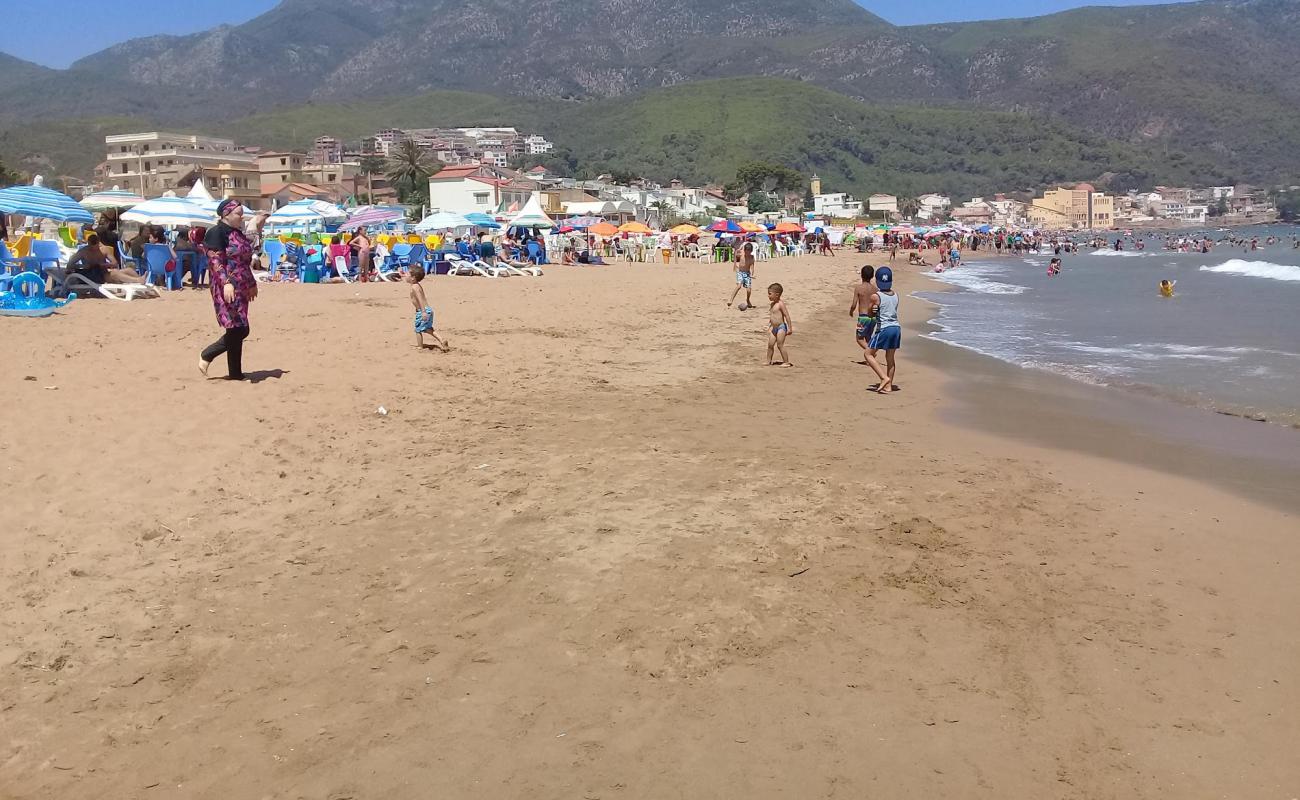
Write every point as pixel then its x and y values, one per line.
pixel 600 551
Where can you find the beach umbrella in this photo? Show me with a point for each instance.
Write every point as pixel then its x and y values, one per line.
pixel 789 227
pixel 442 221
pixel 603 228
pixel 299 212
pixel 372 215
pixel 38 201
pixel 482 220
pixel 752 227
pixel 634 227
pixel 725 226
pixel 111 198
pixel 582 223
pixel 685 229
pixel 170 210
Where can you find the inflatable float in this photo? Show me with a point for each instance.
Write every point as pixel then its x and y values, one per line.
pixel 16 303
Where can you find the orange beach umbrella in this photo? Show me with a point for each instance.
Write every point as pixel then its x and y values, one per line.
pixel 603 229
pixel 634 227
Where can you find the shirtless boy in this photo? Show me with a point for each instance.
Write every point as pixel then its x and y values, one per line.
pixel 865 298
pixel 744 275
pixel 779 326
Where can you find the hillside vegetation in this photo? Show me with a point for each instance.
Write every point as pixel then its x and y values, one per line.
pixel 701 132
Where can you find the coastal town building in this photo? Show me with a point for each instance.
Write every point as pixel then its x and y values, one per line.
pixel 836 204
pixel 882 204
pixel 932 206
pixel 278 167
pixel 478 187
pixel 1079 207
pixel 151 163
pixel 326 150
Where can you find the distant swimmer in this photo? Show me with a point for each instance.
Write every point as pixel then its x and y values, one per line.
pixel 1167 288
pixel 1054 268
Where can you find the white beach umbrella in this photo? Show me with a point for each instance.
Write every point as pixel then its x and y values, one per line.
pixel 299 212
pixel 170 210
pixel 116 197
pixel 442 221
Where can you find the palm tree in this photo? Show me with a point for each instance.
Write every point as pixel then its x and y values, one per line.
pixel 409 168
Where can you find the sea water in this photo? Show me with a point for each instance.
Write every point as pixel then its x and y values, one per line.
pixel 1228 340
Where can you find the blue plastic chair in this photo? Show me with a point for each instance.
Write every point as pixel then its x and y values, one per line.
pixel 156 257
pixel 193 262
pixel 274 249
pixel 125 259
pixel 535 252
pixel 45 252
pixel 310 259
pixel 402 254
pixel 419 255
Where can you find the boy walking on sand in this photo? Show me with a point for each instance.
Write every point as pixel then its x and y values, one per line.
pixel 744 275
pixel 779 326
pixel 423 313
pixel 888 334
pixel 865 298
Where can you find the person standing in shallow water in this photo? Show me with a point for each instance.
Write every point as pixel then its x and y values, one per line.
pixel 230 265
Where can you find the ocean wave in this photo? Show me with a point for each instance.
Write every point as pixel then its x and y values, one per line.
pixel 1256 269
pixel 1124 253
pixel 974 280
pixel 1141 353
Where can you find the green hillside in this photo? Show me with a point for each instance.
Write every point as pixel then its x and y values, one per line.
pixel 700 132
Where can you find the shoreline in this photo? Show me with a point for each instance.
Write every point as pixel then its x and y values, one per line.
pixel 1235 451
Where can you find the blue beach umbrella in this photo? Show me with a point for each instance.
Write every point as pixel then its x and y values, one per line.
pixel 482 220
pixel 37 201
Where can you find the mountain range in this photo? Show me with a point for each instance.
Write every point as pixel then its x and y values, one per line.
pixel 1210 83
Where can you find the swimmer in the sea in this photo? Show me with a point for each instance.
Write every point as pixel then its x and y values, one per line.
pixel 1167 288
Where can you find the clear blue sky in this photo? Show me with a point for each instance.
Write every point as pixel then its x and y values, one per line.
pixel 56 39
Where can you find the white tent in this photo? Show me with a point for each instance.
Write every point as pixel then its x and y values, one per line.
pixel 531 215
pixel 199 193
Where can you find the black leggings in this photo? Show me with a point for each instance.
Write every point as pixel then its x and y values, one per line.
pixel 232 344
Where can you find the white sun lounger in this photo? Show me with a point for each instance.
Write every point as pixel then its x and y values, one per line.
pixel 113 291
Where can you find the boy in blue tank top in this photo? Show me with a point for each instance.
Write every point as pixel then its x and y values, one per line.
pixel 888 335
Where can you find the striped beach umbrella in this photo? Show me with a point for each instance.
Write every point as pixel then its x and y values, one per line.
pixel 483 220
pixel 303 212
pixel 442 221
pixel 367 216
pixel 171 211
pixel 38 201
pixel 111 198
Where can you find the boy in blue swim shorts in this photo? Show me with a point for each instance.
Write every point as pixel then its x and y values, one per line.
pixel 888 335
pixel 744 275
pixel 865 298
pixel 423 312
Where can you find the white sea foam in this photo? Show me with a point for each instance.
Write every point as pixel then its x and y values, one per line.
pixel 973 278
pixel 1256 269
pixel 1123 253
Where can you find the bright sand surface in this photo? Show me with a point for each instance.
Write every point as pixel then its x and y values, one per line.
pixel 599 551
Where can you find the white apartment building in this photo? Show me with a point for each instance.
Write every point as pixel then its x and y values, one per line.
pixel 878 203
pixel 836 204
pixel 536 145
pixel 932 206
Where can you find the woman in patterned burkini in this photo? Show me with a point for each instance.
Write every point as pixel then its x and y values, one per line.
pixel 230 266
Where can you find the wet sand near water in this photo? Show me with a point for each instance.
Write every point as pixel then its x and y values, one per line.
pixel 599 550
